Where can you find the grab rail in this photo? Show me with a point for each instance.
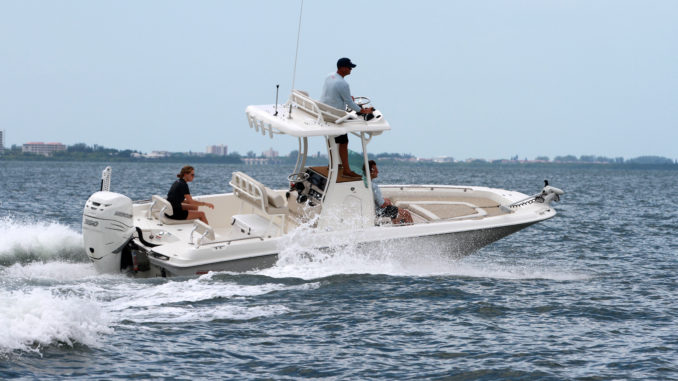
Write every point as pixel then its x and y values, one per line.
pixel 320 110
pixel 201 227
pixel 228 241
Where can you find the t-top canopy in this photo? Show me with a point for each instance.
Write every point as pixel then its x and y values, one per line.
pixel 310 117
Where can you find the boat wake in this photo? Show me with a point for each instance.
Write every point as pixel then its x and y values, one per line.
pixel 30 241
pixel 52 296
pixel 209 297
pixel 37 318
pixel 57 304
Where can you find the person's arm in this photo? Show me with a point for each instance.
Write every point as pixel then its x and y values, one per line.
pixel 189 200
pixel 345 95
pixel 378 199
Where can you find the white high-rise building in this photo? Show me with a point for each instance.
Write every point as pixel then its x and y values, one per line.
pixel 221 150
pixel 40 148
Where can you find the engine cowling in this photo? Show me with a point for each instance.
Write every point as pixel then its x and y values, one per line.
pixel 106 228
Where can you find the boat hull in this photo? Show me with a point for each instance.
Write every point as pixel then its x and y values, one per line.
pixel 452 245
pixel 232 265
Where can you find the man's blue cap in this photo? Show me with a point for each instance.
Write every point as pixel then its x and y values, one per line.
pixel 345 62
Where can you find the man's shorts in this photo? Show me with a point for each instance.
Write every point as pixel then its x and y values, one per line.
pixel 389 211
pixel 341 139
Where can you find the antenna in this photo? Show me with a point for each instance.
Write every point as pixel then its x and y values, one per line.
pixel 276 99
pixel 296 54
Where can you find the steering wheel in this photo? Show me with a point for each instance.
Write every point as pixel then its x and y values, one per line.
pixel 361 101
pixel 296 177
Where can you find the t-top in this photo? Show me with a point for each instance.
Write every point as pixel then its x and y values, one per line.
pixel 336 93
pixel 177 193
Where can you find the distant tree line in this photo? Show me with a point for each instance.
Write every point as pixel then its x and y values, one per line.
pixel 654 160
pixel 84 152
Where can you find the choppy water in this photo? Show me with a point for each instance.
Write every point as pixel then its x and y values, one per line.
pixel 587 295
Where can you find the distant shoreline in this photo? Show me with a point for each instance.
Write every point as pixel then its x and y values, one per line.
pixel 81 152
pixel 321 161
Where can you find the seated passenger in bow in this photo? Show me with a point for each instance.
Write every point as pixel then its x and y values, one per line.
pixel 383 206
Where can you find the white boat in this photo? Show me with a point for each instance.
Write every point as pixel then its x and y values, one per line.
pixel 322 209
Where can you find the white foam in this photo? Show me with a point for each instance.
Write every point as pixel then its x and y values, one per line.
pixel 37 318
pixel 320 265
pixel 189 314
pixel 158 302
pixel 83 309
pixel 515 272
pixel 49 271
pixel 38 240
pixel 299 259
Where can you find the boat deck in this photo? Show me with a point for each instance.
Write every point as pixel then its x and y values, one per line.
pixel 238 217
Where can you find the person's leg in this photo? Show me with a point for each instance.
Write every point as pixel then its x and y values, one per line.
pixel 343 155
pixel 402 216
pixel 189 207
pixel 197 214
pixel 194 213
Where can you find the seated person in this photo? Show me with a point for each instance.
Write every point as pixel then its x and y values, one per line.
pixel 184 207
pixel 384 207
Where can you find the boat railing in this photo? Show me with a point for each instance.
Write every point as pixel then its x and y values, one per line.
pixel 229 241
pixel 427 187
pixel 263 198
pixel 204 230
pixel 324 113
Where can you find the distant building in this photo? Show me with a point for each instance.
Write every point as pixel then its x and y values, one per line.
pixel 41 148
pixel 2 140
pixel 270 153
pixel 158 154
pixel 219 150
pixel 254 160
pixel 152 155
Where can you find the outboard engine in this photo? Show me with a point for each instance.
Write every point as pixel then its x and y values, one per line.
pixel 549 194
pixel 106 228
pixel 546 196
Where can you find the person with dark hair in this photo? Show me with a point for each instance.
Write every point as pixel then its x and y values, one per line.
pixel 383 206
pixel 184 207
pixel 336 93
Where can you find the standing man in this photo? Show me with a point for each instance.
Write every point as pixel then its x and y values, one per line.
pixel 337 94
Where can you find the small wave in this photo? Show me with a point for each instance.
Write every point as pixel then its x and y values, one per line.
pixel 189 300
pixel 38 318
pixel 203 314
pixel 516 272
pixel 26 241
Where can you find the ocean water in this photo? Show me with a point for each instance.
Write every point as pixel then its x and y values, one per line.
pixel 587 295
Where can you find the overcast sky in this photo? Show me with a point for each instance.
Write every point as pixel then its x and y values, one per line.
pixel 468 79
